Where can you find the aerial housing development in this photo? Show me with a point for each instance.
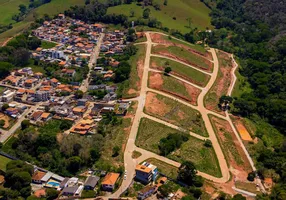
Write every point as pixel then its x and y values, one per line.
pixel 141 100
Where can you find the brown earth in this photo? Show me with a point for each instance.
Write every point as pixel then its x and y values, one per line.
pixel 156 82
pixel 140 69
pixel 239 170
pixel 222 83
pixel 170 55
pixel 154 105
pixel 161 68
pixel 158 38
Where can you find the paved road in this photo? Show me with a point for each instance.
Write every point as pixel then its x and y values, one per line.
pixel 92 62
pixel 7 134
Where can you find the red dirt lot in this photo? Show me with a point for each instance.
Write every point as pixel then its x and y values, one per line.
pixel 158 38
pixel 221 84
pixel 156 81
pixel 236 158
pixel 140 69
pixel 154 105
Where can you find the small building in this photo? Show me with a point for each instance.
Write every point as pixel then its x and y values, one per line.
pixel 12 111
pixel 36 115
pixel 37 176
pixel 146 192
pixel 70 191
pixel 42 95
pixel 46 116
pixel 108 183
pixel 146 173
pixel 82 102
pixel 91 182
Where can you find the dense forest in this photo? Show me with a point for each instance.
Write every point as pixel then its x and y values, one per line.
pixel 255 32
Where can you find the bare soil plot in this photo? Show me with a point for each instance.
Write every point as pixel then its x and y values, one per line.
pixel 222 83
pixel 8 120
pixel 190 74
pixel 183 55
pixel 236 158
pixel 173 86
pixel 175 113
pixel 170 41
pixel 151 132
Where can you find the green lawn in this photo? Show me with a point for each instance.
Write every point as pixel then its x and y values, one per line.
pixel 150 133
pixel 1 89
pixel 174 15
pixel 180 115
pixel 184 55
pixel 183 71
pixel 165 168
pixel 47 45
pixel 3 162
pixel 134 80
pixel 8 8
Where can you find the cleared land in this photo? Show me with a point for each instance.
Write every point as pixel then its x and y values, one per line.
pixel 173 15
pixel 183 55
pixel 222 83
pixel 173 86
pixel 47 45
pixel 133 85
pixel 3 162
pixel 235 155
pixel 175 113
pixel 165 168
pixel 170 41
pixel 180 70
pixel 150 133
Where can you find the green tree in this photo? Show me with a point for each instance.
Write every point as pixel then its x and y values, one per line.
pixel 187 172
pixel 2 123
pixel 65 125
pixel 51 194
pixel 5 107
pixel 115 151
pixel 165 2
pixel 167 70
pixel 78 94
pixel 94 153
pixel 25 124
pixel 238 197
pixel 74 164
pixel 22 8
pixel 146 13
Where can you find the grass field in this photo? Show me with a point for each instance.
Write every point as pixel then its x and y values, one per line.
pixel 47 45
pixel 204 158
pixel 181 70
pixel 8 8
pixel 133 84
pixel 164 168
pixel 175 113
pixel 184 55
pixel 174 15
pixel 3 162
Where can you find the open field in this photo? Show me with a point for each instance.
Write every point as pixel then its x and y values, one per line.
pixel 222 83
pixel 183 55
pixel 173 15
pixel 203 157
pixel 175 113
pixel 171 41
pixel 180 70
pixel 3 162
pixel 52 8
pixel 234 154
pixel 8 8
pixel 173 86
pixel 150 133
pixel 133 84
pixel 164 168
pixel 247 186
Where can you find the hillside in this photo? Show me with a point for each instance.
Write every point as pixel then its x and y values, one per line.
pixel 8 8
pixel 174 15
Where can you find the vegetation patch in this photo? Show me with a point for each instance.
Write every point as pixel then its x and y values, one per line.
pixel 183 55
pixel 188 73
pixel 133 85
pixel 222 82
pixel 174 86
pixel 174 112
pixel 47 45
pixel 3 162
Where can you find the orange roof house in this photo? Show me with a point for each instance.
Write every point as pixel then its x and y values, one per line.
pixel 45 116
pixel 81 129
pixel 109 181
pixel 143 168
pixel 37 176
